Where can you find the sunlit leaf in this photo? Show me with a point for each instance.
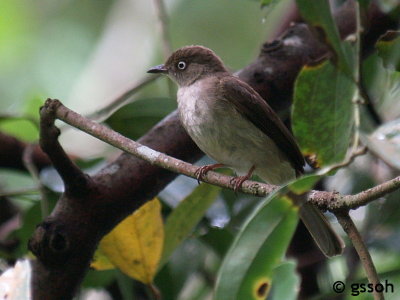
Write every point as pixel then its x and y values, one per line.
pixel 323 113
pixel 135 245
pixel 19 127
pixel 185 216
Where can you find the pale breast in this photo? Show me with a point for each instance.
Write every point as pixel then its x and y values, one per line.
pixel 200 115
pixel 224 135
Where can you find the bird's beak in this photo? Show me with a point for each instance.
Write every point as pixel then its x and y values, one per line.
pixel 158 69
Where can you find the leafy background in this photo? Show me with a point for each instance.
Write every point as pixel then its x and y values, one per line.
pixel 86 53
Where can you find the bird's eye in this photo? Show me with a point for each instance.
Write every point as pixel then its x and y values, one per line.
pixel 181 65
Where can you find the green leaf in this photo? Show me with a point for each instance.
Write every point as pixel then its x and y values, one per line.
pixel 323 113
pixel 219 239
pixel 304 184
pixel 318 14
pixel 247 269
pixel 382 85
pixel 141 115
pixel 96 278
pixel 285 282
pixel 32 106
pixel 19 127
pixel 388 47
pixel 185 216
pixel 30 219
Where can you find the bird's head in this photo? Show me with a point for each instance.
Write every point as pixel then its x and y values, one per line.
pixel 190 63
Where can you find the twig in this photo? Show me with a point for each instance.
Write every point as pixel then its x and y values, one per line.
pixel 325 200
pixel 27 158
pixel 356 97
pixel 351 230
pixel 349 160
pixel 163 24
pixel 367 196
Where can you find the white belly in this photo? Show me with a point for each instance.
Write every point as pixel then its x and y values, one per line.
pixel 220 132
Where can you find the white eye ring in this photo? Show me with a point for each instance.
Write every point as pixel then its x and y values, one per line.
pixel 181 65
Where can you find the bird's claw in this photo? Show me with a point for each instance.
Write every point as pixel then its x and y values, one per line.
pixel 237 182
pixel 202 171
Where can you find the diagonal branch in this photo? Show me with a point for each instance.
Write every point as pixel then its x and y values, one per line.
pixel 163 24
pixel 325 200
pixel 143 152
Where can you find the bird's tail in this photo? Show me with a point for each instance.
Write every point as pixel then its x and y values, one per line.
pixel 320 229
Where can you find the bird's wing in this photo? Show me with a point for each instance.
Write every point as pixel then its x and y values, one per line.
pixel 257 111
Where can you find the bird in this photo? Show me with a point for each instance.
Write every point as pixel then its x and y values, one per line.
pixel 231 123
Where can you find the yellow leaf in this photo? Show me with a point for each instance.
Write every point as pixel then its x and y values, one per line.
pixel 101 262
pixel 135 245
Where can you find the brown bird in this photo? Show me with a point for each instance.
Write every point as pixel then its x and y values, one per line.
pixel 232 124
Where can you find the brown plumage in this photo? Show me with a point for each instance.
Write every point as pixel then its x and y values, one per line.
pixel 232 124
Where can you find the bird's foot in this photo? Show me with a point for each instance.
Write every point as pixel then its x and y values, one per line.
pixel 238 181
pixel 202 171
